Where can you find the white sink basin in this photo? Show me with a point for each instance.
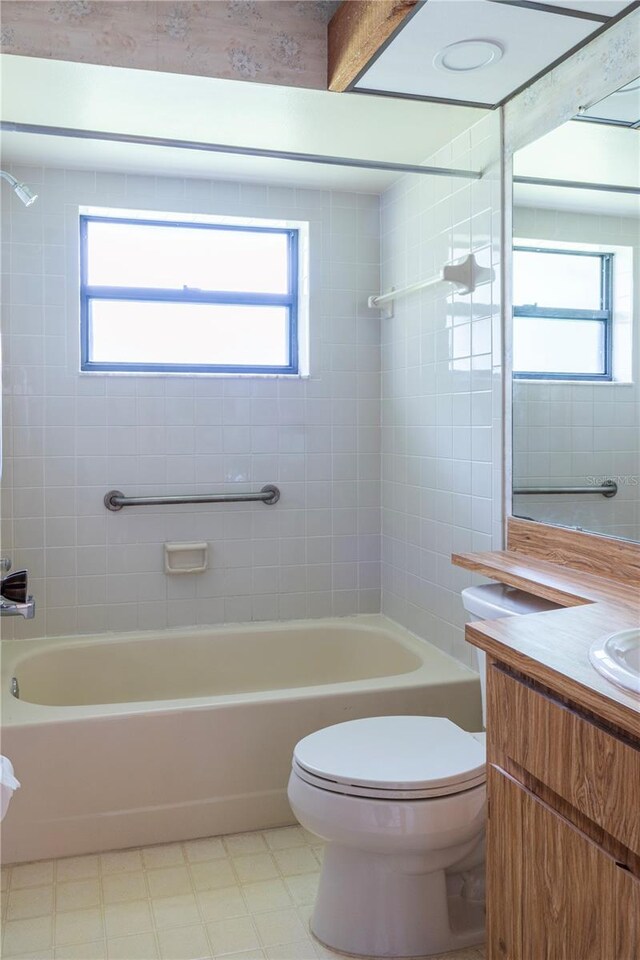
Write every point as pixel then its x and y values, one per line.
pixel 617 657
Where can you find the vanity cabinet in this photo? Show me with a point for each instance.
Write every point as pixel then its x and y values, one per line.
pixel 564 828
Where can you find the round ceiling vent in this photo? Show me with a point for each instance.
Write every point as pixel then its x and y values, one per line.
pixel 467 55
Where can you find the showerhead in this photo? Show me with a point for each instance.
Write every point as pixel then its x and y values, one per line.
pixel 21 190
pixel 25 193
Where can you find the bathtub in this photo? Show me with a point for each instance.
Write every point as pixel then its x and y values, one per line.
pixel 141 738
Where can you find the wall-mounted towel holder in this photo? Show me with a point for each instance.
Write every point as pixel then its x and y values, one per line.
pixel 466 275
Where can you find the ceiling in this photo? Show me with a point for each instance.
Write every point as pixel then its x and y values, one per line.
pixel 149 103
pixel 576 201
pixel 621 107
pixel 525 39
pixel 589 152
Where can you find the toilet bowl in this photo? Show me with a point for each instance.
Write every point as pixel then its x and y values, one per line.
pixel 401 805
pixel 397 819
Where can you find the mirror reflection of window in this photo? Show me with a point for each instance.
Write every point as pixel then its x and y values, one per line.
pixel 576 322
pixel 562 316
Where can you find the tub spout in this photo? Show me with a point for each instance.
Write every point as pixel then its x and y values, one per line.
pixel 26 609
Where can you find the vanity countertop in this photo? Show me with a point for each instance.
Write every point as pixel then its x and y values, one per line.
pixel 553 647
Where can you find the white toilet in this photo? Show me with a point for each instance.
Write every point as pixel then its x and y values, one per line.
pixel 8 785
pixel 400 803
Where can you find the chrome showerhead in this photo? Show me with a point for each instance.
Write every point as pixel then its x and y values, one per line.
pixel 21 190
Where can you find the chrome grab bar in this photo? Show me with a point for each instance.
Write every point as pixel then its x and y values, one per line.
pixel 116 500
pixel 608 489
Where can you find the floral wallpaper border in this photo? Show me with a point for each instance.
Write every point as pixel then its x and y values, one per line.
pixel 266 41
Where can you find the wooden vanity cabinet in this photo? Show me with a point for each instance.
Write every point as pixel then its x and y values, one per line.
pixel 563 848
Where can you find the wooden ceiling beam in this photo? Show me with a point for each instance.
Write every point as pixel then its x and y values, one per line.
pixel 357 30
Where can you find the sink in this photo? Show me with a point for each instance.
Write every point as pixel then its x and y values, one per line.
pixel 617 657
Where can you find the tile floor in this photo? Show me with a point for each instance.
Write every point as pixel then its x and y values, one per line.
pixel 242 897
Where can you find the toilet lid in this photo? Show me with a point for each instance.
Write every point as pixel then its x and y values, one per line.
pixel 383 756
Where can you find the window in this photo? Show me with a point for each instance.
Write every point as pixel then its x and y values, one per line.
pixel 562 316
pixel 188 297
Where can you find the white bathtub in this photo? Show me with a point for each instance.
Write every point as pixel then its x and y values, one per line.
pixel 142 738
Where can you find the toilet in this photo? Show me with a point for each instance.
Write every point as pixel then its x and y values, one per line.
pixel 401 805
pixel 8 785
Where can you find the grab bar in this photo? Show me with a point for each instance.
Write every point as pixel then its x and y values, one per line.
pixel 608 489
pixel 116 500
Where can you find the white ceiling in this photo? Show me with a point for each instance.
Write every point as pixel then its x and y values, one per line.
pixel 531 39
pixel 623 105
pixel 149 103
pixel 576 201
pixel 590 152
pixel 608 8
pixel 593 152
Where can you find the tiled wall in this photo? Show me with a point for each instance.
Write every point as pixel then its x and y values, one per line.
pixel 441 391
pixel 569 434
pixel 270 41
pixel 72 437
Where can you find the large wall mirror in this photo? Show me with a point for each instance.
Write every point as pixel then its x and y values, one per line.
pixel 576 322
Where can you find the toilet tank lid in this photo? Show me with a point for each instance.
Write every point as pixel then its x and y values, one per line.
pixel 404 753
pixel 490 601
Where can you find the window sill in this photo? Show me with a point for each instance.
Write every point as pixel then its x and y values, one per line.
pixel 149 374
pixel 576 383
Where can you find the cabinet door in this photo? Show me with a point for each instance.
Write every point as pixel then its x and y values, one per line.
pixel 627 897
pixel 553 894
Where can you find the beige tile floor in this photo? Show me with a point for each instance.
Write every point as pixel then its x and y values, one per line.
pixel 241 897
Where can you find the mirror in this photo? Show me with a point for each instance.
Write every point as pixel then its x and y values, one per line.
pixel 576 322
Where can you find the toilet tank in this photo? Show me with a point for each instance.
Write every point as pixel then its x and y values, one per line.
pixel 491 601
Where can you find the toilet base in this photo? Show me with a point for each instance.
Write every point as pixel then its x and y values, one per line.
pixel 377 905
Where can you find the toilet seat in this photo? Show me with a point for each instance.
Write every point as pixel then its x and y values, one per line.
pixel 392 758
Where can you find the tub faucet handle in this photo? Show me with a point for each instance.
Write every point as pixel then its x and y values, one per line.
pixel 15 587
pixel 5 564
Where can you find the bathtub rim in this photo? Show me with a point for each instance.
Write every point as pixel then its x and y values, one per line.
pixel 19 713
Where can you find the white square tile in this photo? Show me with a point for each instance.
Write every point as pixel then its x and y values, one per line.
pixel 77 868
pixel 30 902
pixel 246 955
pixel 31 934
pixel 304 888
pixel 32 874
pixel 281 926
pixel 232 935
pixel 77 894
pixel 175 911
pixel 221 904
pixel 169 882
pixel 124 919
pixel 212 874
pixel 205 849
pixel 96 950
pixel 142 946
pixel 284 837
pixel 79 926
pixel 266 895
pixel 298 860
pixel 166 855
pixel 120 861
pixel 184 943
pixel 118 888
pixel 259 866
pixel 245 843
pixel 300 950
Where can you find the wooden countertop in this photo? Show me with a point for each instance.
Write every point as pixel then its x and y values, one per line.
pixel 553 647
